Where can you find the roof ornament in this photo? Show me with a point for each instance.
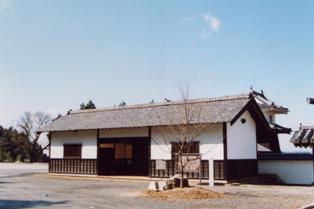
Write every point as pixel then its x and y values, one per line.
pixel 310 100
pixel 122 103
pixel 69 111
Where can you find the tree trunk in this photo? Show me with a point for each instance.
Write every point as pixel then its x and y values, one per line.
pixel 181 171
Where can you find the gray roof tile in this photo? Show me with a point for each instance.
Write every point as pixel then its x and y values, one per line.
pixel 212 110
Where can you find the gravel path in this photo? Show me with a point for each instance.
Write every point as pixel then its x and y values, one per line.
pixel 24 189
pixel 10 169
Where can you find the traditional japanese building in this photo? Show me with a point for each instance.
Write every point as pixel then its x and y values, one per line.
pixel 130 140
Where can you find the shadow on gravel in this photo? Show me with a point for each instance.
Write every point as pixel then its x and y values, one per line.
pixel 19 204
pixel 6 182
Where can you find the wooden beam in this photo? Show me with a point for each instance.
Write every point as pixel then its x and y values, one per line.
pixel 49 138
pixel 149 150
pixel 225 143
pixel 97 160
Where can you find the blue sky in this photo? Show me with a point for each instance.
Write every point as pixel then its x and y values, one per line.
pixel 56 54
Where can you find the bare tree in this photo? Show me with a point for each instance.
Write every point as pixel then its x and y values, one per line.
pixel 185 126
pixel 28 124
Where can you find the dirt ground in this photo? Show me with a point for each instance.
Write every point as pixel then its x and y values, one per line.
pixel 28 186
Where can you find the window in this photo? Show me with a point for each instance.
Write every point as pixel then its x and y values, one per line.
pixel 219 169
pixel 72 151
pixel 191 147
pixel 123 151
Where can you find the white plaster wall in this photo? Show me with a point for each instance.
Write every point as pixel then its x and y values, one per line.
pixel 88 139
pixel 211 143
pixel 160 147
pixel 241 138
pixel 291 172
pixel 127 132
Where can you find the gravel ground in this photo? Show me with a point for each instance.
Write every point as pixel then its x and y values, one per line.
pixel 11 169
pixel 27 186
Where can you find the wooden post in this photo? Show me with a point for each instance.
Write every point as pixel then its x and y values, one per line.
pixel 225 143
pixel 211 172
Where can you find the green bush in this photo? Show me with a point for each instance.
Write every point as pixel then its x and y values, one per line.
pixel 8 157
pixel 1 155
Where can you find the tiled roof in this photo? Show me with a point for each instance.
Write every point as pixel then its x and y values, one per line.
pixel 266 103
pixel 303 137
pixel 284 156
pixel 211 110
pixel 280 129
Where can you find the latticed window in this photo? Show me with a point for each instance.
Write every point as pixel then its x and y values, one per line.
pixel 188 148
pixel 219 169
pixel 73 151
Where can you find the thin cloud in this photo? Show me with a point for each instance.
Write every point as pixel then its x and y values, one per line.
pixel 212 22
pixel 208 24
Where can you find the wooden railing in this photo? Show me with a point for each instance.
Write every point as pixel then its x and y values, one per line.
pixel 89 167
pixel 73 166
pixel 203 173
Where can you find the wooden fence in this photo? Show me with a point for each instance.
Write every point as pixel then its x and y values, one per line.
pixel 73 166
pixel 203 174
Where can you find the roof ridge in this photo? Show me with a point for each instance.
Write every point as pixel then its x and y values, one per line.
pixel 177 102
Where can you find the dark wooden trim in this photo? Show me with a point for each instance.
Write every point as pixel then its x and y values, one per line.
pixel 256 134
pixel 225 144
pixel 241 112
pixel 73 166
pixel 256 113
pixel 97 160
pixel 313 159
pixel 242 168
pixel 203 174
pixel 149 149
pixel 49 138
pixel 121 139
pixel 271 156
pixel 136 168
pixel 80 145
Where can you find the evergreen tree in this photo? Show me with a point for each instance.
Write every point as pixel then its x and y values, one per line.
pixel 88 105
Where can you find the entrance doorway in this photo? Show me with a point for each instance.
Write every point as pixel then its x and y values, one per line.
pixel 123 156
